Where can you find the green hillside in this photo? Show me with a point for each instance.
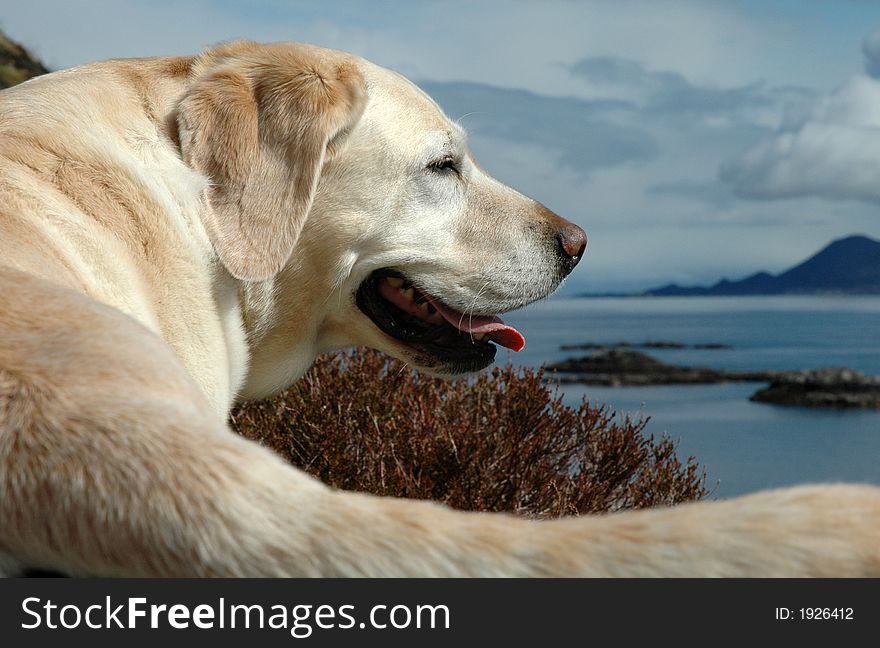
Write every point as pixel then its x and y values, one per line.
pixel 16 63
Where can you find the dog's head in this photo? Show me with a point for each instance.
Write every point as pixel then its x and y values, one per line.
pixel 346 188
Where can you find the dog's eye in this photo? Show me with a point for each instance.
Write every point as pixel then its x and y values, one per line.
pixel 443 164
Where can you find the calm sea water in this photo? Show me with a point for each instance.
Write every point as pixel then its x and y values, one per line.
pixel 745 446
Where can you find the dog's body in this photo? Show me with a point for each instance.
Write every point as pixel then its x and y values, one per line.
pixel 178 233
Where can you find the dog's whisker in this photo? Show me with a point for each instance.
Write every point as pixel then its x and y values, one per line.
pixel 471 309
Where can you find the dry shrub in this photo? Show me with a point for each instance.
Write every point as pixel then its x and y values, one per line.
pixel 502 441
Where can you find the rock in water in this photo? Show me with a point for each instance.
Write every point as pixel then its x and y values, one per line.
pixel 618 367
pixel 836 387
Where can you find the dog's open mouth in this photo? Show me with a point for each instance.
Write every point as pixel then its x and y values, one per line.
pixel 457 341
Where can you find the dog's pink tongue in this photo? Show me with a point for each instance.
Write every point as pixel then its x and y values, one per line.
pixel 493 326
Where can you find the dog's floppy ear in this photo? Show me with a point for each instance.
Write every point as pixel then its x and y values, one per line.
pixel 259 124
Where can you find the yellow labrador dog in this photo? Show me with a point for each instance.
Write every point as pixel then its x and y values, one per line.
pixel 178 233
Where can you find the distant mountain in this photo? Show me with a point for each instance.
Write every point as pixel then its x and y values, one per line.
pixel 849 265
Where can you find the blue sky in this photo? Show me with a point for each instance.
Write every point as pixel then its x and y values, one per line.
pixel 691 139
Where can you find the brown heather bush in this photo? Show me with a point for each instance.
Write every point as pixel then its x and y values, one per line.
pixel 502 441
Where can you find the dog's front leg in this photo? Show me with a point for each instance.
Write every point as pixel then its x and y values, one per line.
pixel 129 496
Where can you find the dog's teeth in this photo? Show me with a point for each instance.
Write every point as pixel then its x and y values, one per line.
pixel 423 307
pixel 408 293
pixel 479 336
pixel 396 282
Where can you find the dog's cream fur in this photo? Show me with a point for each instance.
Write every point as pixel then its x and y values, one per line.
pixel 176 233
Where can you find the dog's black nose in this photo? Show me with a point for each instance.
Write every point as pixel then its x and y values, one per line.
pixel 572 243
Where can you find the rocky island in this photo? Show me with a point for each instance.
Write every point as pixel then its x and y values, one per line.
pixel 619 367
pixel 648 344
pixel 822 388
pixel 622 366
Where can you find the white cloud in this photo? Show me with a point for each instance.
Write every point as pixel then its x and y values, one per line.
pixel 871 52
pixel 834 153
pixel 667 93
